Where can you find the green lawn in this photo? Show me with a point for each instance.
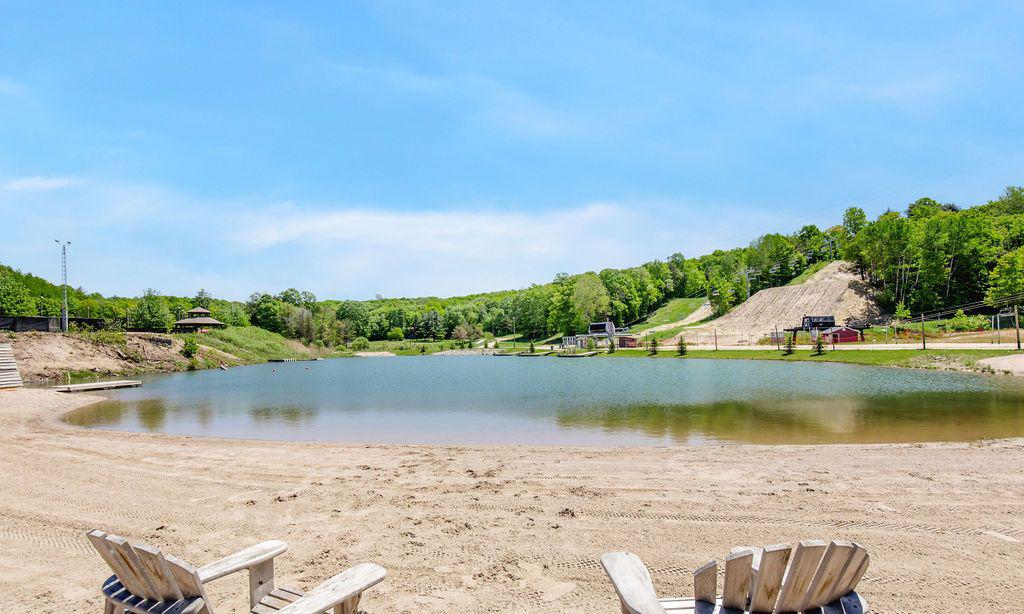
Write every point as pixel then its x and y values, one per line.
pixel 897 358
pixel 411 347
pixel 672 311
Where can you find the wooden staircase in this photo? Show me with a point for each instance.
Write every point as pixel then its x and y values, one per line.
pixel 9 376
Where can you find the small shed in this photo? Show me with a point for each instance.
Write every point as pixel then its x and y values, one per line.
pixel 198 321
pixel 842 334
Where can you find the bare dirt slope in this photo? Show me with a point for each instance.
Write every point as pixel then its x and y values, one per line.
pixel 499 529
pixel 834 290
pixel 44 356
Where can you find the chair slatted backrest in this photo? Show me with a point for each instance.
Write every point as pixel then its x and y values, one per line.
pixel 783 579
pixel 145 571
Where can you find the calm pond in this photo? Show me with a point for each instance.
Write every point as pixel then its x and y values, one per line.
pixel 545 401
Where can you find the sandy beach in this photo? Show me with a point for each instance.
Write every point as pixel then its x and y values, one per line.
pixel 510 529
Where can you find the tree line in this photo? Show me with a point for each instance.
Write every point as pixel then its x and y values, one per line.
pixel 930 255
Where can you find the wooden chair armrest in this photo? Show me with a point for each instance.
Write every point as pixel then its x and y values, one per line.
pixel 243 559
pixel 632 583
pixel 343 588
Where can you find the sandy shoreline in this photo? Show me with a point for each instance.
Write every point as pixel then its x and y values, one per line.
pixel 499 528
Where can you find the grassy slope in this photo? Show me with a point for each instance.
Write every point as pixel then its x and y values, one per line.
pixel 811 270
pixel 251 343
pixel 896 358
pixel 672 311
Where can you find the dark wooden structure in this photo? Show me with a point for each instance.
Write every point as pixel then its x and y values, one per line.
pixel 45 324
pixel 198 321
pixel 817 322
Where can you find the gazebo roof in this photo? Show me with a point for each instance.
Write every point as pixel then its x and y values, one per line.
pixel 199 322
pixel 199 310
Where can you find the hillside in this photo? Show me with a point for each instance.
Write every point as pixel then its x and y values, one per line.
pixel 672 313
pixel 53 356
pixel 833 290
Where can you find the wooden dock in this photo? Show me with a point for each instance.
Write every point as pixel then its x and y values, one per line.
pixel 90 386
pixel 580 355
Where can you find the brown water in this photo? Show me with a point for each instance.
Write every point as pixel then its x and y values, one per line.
pixel 547 401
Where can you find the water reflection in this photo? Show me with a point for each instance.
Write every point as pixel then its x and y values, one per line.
pixel 287 414
pixel 917 418
pixel 456 400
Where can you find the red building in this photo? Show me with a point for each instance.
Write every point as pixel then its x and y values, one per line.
pixel 842 334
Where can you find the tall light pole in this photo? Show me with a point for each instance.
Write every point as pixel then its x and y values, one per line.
pixel 64 282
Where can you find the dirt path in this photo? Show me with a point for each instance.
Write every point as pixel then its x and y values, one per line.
pixel 509 529
pixel 1013 364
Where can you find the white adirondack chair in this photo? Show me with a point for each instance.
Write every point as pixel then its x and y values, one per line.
pixel 820 578
pixel 146 581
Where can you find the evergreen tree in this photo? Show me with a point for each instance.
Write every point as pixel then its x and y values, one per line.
pixel 532 350
pixel 653 345
pixel 790 345
pixel 202 299
pixel 819 345
pixel 611 345
pixel 591 344
pixel 681 346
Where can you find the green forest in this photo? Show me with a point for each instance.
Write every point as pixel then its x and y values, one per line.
pixel 928 256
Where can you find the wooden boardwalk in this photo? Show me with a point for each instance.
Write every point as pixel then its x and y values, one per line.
pixel 89 386
pixel 9 375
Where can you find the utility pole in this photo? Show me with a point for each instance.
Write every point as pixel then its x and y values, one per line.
pixel 716 339
pixel 746 277
pixel 778 341
pixel 924 345
pixel 64 283
pixel 1016 325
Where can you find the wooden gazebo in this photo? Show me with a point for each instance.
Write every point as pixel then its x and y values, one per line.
pixel 198 320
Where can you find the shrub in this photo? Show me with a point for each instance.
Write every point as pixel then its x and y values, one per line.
pixel 396 334
pixel 532 350
pixel 191 347
pixel 360 343
pixel 963 323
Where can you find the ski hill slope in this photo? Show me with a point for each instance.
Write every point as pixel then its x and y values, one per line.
pixel 835 290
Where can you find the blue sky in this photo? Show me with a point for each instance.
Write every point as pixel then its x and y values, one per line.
pixel 442 148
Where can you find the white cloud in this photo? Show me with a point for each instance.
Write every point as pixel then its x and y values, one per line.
pixel 432 231
pixel 38 184
pixel 128 236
